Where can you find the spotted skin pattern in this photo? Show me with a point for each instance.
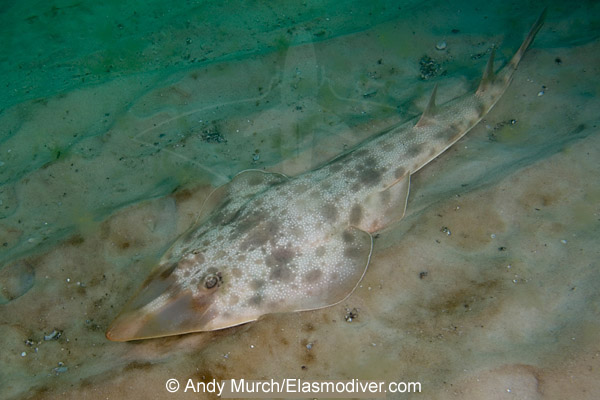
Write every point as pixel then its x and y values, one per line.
pixel 279 244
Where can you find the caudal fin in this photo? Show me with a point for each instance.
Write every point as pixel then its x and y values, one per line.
pixel 504 76
pixel 514 62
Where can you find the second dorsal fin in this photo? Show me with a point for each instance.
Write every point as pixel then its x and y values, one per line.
pixel 429 113
pixel 488 74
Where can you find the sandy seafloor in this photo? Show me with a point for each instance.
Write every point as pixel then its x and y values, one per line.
pixel 117 120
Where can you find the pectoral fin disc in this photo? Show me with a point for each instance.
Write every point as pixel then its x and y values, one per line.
pixel 225 200
pixel 325 275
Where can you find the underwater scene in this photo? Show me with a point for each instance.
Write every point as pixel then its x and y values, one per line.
pixel 274 194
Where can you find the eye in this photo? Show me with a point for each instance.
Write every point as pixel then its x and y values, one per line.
pixel 211 281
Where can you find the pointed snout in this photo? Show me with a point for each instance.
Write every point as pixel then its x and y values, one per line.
pixel 165 316
pixel 162 307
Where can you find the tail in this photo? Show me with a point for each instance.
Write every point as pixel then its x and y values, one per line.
pixel 514 62
pixel 506 74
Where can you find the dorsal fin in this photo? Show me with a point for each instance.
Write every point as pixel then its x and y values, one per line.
pixel 429 113
pixel 488 74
